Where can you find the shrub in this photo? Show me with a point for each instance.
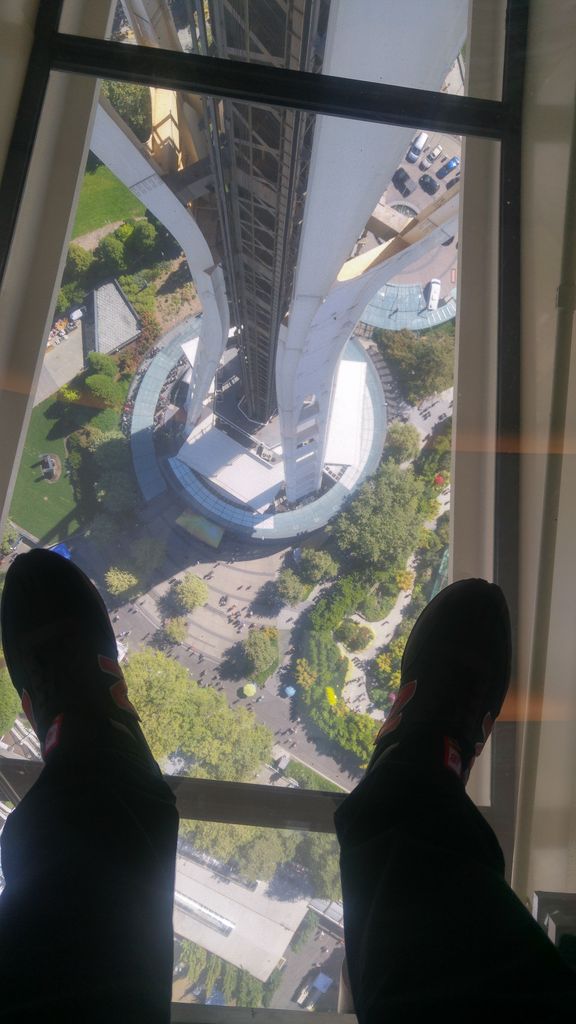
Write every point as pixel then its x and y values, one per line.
pixel 120 581
pixel 67 394
pixel 105 390
pixel 98 362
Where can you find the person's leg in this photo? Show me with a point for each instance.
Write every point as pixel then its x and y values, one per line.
pixel 86 916
pixel 89 854
pixel 430 924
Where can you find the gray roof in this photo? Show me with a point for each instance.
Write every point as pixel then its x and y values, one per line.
pixel 115 321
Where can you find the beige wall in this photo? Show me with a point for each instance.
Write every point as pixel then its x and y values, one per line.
pixel 546 838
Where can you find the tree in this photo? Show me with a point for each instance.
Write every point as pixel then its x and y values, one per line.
pixel 10 538
pixel 78 263
pixel 404 579
pixel 142 240
pixel 424 361
pixel 317 566
pixel 249 991
pixel 195 956
pixel 304 931
pixel 110 256
pixel 71 294
pixel 179 715
pixel 9 702
pixel 354 636
pixel 213 969
pixel 148 553
pixel 228 982
pixel 381 524
pixel 99 363
pixel 290 588
pixel 318 853
pixel 261 649
pixel 117 492
pixel 104 389
pixel 175 629
pixel 119 581
pixel 304 675
pixel 190 592
pixel 103 529
pixel 133 104
pixel 402 442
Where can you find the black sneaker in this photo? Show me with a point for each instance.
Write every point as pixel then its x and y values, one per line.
pixel 61 652
pixel 454 676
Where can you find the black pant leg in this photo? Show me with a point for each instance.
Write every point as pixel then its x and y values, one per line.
pixel 86 915
pixel 430 923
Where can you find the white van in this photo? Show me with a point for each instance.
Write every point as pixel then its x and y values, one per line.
pixel 434 293
pixel 418 143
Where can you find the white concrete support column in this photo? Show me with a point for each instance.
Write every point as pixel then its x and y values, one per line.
pixel 352 163
pixel 313 369
pixel 114 144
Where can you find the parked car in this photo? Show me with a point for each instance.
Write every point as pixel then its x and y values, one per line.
pixel 430 158
pixel 403 182
pixel 428 184
pixel 450 165
pixel 453 181
pixel 418 143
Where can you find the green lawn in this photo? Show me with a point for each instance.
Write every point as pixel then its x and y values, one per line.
pixel 48 510
pixel 103 200
pixel 309 779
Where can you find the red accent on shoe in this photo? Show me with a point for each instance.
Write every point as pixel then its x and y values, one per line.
pixel 452 756
pixel 28 709
pixel 111 667
pixel 119 694
pixel 52 738
pixel 405 694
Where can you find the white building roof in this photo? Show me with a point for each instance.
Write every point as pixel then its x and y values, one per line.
pixel 232 469
pixel 247 928
pixel 345 427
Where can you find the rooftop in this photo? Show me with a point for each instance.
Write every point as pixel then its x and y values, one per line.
pixel 248 928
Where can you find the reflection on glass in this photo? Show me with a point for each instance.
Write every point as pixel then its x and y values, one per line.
pixel 257 917
pixel 242 428
pixel 419 46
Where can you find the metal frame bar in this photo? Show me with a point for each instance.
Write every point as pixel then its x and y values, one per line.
pixel 299 90
pixel 507 463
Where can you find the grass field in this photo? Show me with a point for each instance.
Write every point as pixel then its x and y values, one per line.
pixel 48 510
pixel 104 200
pixel 309 779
